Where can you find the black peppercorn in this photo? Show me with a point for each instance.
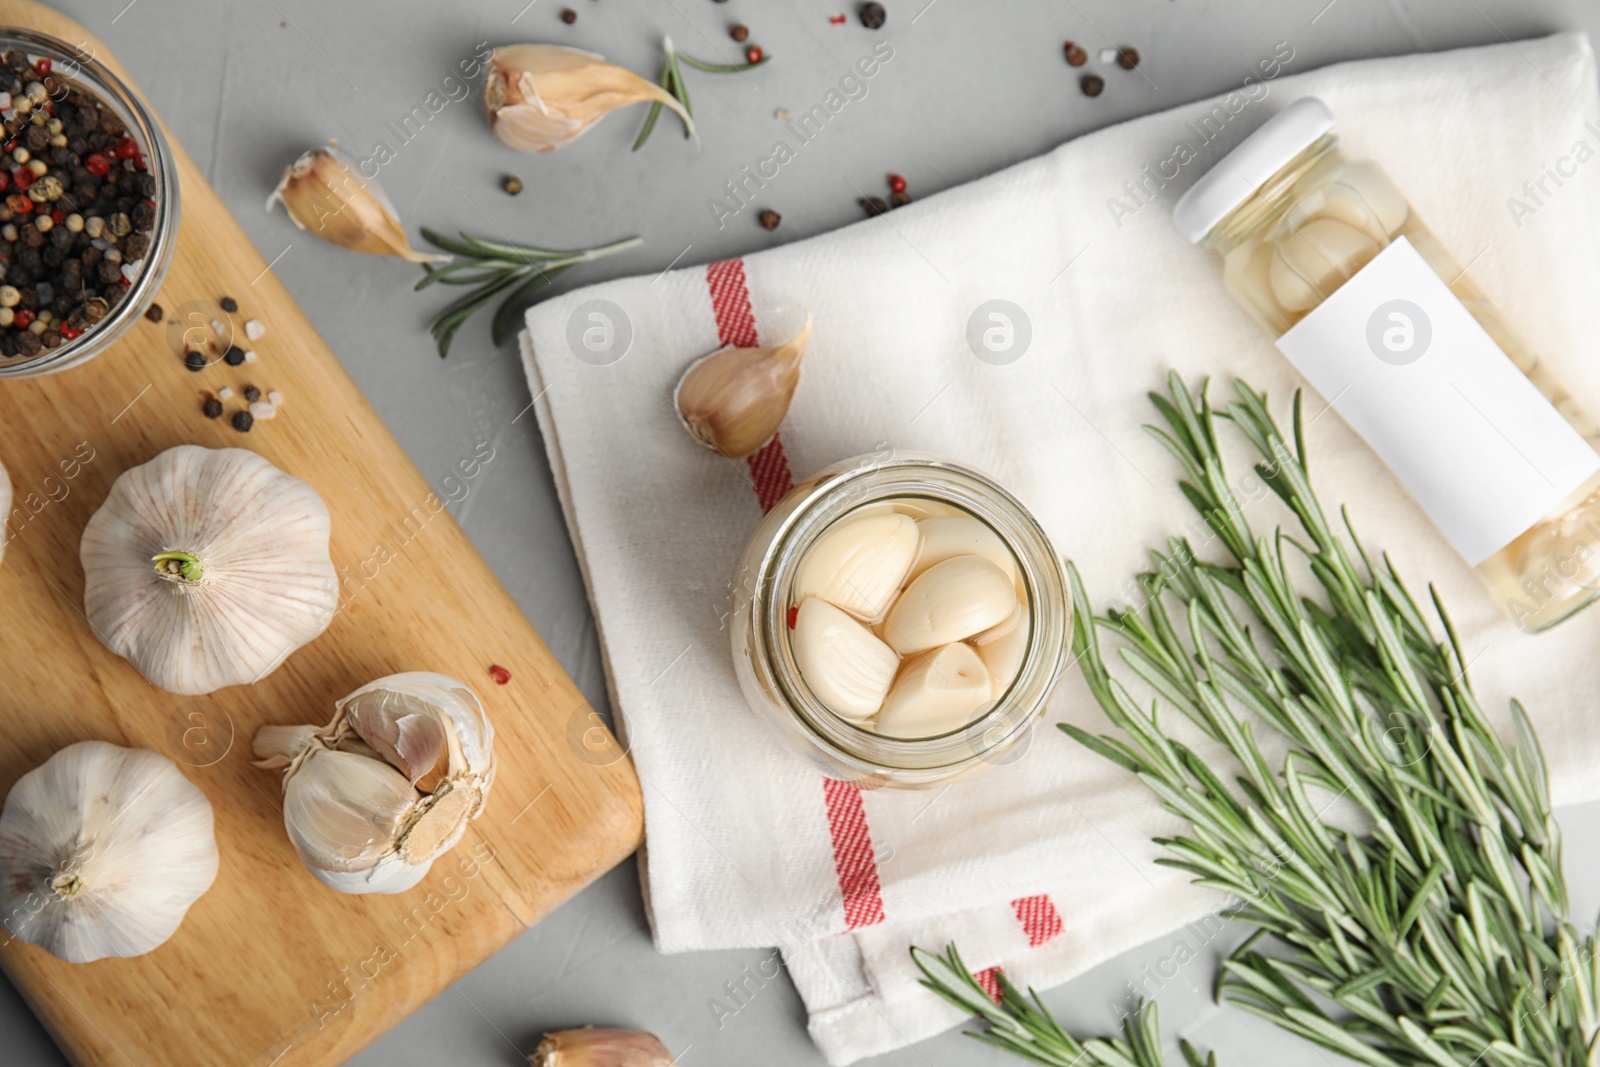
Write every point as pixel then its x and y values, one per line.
pixel 873 16
pixel 154 313
pixel 873 205
pixel 1076 56
pixel 1128 58
pixel 233 356
pixel 194 359
pixel 243 420
pixel 900 199
pixel 739 32
pixel 569 16
pixel 252 394
pixel 229 304
pixel 1092 84
pixel 213 408
pixel 769 219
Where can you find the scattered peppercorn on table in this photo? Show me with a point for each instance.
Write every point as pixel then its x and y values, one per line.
pixel 269 967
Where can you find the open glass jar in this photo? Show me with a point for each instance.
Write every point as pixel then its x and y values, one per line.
pixel 767 602
pixel 75 70
pixel 1327 254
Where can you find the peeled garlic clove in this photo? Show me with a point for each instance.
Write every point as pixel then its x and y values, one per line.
pixel 371 799
pixel 733 400
pixel 948 602
pixel 943 538
pixel 541 97
pixel 1315 259
pixel 595 1046
pixel 325 194
pixel 936 692
pixel 926 509
pixel 102 851
pixel 1002 649
pixel 860 563
pixel 1373 186
pixel 848 669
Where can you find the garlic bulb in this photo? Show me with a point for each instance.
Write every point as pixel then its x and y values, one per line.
pixel 950 601
pixel 733 400
pixel 540 97
pixel 847 666
pixel 5 507
pixel 325 194
pixel 207 567
pixel 102 850
pixel 371 799
pixel 595 1046
pixel 859 563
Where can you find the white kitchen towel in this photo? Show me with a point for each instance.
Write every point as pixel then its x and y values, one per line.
pixel 1041 866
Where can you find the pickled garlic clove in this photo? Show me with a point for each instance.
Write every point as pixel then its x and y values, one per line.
pixel 943 538
pixel 1002 653
pixel 848 669
pixel 1315 259
pixel 950 601
pixel 860 563
pixel 936 692
pixel 1373 186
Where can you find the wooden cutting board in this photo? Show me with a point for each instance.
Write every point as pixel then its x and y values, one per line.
pixel 270 967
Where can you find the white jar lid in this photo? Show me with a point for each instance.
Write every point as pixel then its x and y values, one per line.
pixel 1248 167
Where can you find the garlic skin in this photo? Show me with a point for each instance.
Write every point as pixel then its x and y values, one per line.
pixel 102 851
pixel 733 400
pixel 948 602
pixel 541 97
pixel 936 692
pixel 374 797
pixel 5 508
pixel 325 194
pixel 595 1046
pixel 208 567
pixel 847 667
pixel 860 563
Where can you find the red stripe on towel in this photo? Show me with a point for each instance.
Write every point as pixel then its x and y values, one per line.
pixel 736 326
pixel 1039 918
pixel 989 979
pixel 853 858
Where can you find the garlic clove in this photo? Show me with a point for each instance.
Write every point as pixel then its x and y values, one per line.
pixel 1315 259
pixel 102 851
pixel 926 509
pixel 1003 648
pixel 343 811
pixel 595 1046
pixel 848 669
pixel 936 692
pixel 325 194
pixel 950 601
pixel 542 97
pixel 943 538
pixel 860 563
pixel 733 400
pixel 1373 186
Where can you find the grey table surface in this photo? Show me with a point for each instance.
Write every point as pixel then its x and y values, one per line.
pixel 246 85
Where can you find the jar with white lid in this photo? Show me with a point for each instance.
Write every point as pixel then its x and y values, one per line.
pixel 1327 254
pixel 778 578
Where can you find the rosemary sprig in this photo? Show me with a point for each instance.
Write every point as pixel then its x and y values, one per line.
pixel 1439 935
pixel 1022 1026
pixel 513 273
pixel 672 81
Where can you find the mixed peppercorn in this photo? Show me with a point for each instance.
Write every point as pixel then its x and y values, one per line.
pixel 77 208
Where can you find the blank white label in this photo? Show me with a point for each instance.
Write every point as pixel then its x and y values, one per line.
pixel 1467 434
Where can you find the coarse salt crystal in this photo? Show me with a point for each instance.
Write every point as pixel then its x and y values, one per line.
pixel 249 355
pixel 254 330
pixel 1108 55
pixel 275 398
pixel 130 271
pixel 5 100
pixel 263 410
pixel 225 393
pixel 216 327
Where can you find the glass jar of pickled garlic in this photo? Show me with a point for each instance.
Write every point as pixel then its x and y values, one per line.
pixel 900 620
pixel 1328 255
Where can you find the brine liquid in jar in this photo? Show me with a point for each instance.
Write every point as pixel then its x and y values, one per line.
pixel 1326 253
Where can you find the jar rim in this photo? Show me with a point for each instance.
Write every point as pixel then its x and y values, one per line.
pixel 142 125
pixel 862 482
